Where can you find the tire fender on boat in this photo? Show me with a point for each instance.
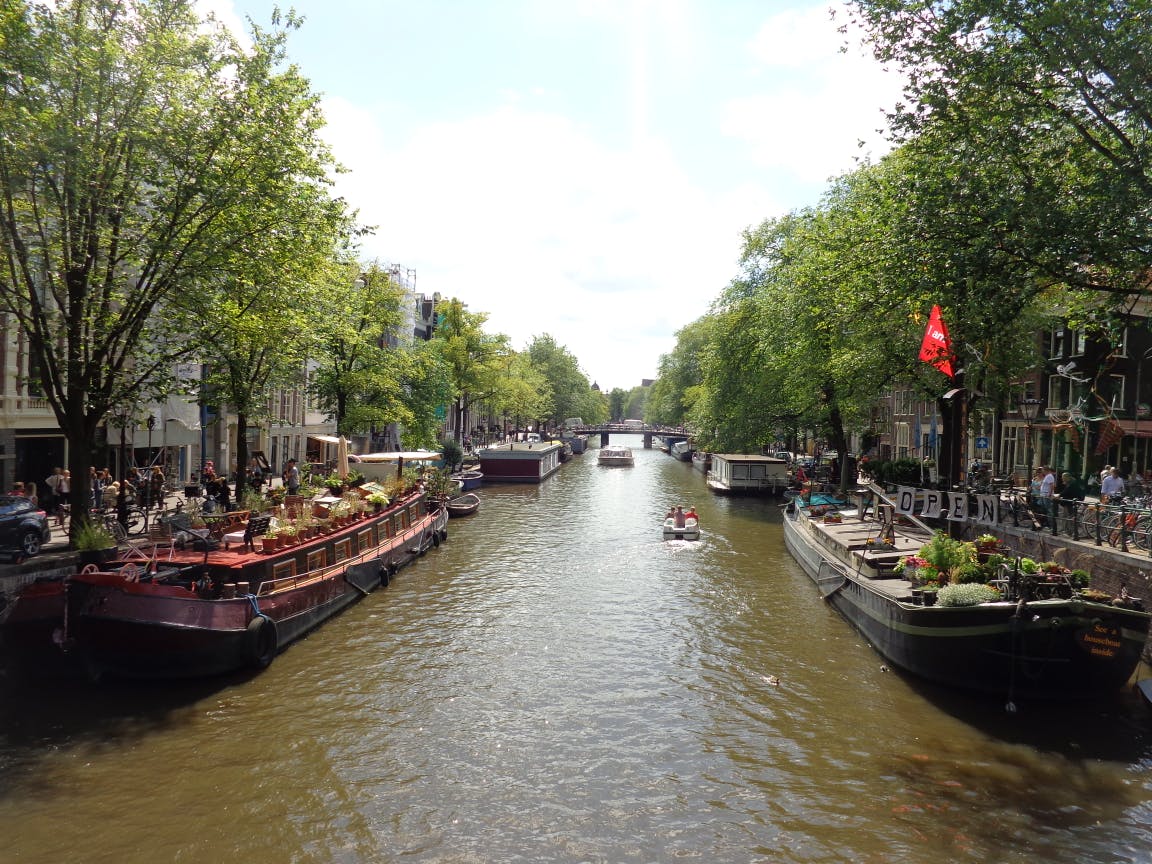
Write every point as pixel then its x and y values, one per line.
pixel 384 578
pixel 263 642
pixel 436 539
pixel 443 535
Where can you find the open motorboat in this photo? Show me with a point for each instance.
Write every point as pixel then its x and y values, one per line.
pixel 689 531
pixel 614 454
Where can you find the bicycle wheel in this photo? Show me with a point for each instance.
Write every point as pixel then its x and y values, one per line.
pixel 136 520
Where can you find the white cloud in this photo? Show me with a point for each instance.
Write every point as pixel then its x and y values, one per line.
pixel 817 103
pixel 524 216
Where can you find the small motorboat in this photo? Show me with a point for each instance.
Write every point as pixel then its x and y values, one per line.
pixel 465 505
pixel 689 531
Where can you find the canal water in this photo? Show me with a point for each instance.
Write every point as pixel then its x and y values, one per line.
pixel 558 684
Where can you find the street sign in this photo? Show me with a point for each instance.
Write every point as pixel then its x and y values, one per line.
pixel 982 442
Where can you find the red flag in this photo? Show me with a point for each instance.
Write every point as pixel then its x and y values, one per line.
pixel 937 347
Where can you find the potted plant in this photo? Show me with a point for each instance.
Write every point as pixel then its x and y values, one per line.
pixel 271 541
pixel 378 500
pixel 94 543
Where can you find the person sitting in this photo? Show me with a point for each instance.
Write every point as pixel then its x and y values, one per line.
pixel 690 513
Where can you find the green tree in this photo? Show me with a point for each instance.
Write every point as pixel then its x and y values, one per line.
pixel 567 388
pixel 358 379
pixel 136 143
pixel 473 357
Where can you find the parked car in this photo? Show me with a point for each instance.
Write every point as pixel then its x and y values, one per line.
pixel 23 526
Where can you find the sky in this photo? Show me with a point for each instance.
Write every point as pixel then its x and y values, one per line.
pixel 582 168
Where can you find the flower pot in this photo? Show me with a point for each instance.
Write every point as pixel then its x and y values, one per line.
pixel 270 544
pixel 929 598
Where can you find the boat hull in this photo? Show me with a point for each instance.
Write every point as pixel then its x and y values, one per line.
pixel 1047 649
pixel 135 628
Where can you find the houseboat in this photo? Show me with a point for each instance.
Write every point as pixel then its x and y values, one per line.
pixel 520 462
pixel 208 603
pixel 1038 636
pixel 746 474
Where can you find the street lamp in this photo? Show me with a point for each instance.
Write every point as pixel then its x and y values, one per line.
pixel 121 418
pixel 1029 409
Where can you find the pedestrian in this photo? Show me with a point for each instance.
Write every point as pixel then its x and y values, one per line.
pixel 30 493
pixel 1047 492
pixel 52 490
pixel 1071 492
pixel 1112 487
pixel 64 491
pixel 156 486
pixel 292 477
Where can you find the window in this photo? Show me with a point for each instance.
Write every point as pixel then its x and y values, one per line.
pixel 1056 391
pixel 1117 392
pixel 364 540
pixel 317 559
pixel 1121 347
pixel 1079 343
pixel 1056 344
pixel 342 549
pixel 284 570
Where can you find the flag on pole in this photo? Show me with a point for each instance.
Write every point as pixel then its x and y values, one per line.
pixel 936 348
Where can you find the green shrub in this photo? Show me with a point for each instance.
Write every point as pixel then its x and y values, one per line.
pixel 971 594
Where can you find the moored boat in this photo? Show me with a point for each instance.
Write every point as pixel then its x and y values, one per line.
pixel 469 480
pixel 209 611
pixel 1026 640
pixel 465 505
pixel 682 450
pixel 747 474
pixel 614 454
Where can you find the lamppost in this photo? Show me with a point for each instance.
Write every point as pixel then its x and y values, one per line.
pixel 1136 408
pixel 1029 409
pixel 122 416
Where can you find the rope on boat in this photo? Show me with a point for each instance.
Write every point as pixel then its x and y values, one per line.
pixel 256 613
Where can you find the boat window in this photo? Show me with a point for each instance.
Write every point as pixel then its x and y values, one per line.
pixel 389 527
pixel 284 570
pixel 364 540
pixel 316 559
pixel 342 549
pixel 405 519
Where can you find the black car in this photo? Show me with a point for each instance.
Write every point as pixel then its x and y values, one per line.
pixel 23 526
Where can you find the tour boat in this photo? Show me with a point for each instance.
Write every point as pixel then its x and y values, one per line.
pixel 199 611
pixel 1036 641
pixel 614 454
pixel 690 530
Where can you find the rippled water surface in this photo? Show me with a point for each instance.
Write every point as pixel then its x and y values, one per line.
pixel 557 683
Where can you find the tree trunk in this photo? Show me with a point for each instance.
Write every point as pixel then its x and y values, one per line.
pixel 241 455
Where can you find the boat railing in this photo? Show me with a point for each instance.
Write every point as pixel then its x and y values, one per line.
pixel 297 580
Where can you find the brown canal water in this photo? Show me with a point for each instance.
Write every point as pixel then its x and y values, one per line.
pixel 557 684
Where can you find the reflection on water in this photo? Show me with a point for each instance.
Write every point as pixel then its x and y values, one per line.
pixel 557 683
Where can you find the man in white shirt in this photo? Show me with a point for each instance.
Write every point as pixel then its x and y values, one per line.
pixel 1112 487
pixel 1046 493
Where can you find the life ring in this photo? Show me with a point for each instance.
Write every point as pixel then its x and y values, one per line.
pixel 263 641
pixel 129 573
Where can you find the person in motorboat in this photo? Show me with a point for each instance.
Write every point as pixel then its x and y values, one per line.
pixel 690 513
pixel 679 516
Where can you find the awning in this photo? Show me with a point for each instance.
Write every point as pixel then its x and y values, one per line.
pixel 327 439
pixel 1137 428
